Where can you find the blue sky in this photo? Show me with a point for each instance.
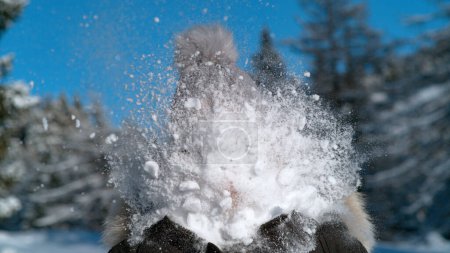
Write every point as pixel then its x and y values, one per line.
pixel 102 48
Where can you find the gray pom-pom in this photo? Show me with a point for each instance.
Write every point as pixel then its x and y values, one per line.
pixel 204 44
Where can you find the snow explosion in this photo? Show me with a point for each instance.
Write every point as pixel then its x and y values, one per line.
pixel 232 156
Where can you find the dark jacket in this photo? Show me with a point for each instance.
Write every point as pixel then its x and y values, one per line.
pixel 273 237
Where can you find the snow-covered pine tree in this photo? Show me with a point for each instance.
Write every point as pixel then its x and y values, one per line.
pixel 54 162
pixel 9 11
pixel 269 69
pixel 342 48
pixel 51 160
pixel 409 176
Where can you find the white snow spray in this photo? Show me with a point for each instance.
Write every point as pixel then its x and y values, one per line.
pixel 230 156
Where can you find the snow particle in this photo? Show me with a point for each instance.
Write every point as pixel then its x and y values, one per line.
pixel 302 123
pixel 324 144
pixel 287 176
pixel 111 139
pixel 193 103
pixel 192 204
pixel 308 230
pixel 152 168
pixel 332 180
pixel 92 136
pixel 307 74
pixel 156 19
pixel 189 186
pixel 9 206
pixel 315 97
pixel 196 221
pixel 77 123
pixel 276 211
pixel 226 203
pixel 45 124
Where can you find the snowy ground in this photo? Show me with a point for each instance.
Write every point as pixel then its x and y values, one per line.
pixel 385 248
pixel 89 242
pixel 50 241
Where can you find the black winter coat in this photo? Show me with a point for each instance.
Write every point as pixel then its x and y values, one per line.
pixel 168 237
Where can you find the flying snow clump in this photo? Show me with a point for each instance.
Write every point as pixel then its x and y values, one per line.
pixel 232 157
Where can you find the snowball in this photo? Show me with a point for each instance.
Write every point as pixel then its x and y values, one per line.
pixel 152 168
